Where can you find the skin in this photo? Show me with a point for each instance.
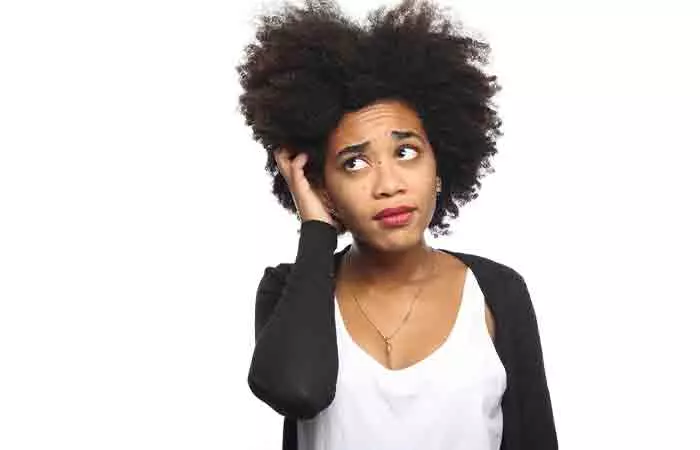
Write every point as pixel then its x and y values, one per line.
pixel 385 267
pixel 391 172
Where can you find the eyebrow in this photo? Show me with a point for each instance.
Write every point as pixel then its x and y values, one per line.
pixel 397 135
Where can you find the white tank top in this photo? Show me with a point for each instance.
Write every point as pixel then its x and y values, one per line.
pixel 450 400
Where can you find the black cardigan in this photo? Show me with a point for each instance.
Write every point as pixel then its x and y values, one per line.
pixel 295 361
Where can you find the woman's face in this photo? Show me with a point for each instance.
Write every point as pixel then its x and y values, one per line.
pixel 390 164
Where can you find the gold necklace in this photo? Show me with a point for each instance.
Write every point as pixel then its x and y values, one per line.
pixel 386 339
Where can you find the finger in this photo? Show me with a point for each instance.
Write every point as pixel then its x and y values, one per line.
pixel 299 163
pixel 282 160
pixel 280 156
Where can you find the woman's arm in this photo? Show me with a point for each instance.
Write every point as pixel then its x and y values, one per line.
pixel 295 362
pixel 534 402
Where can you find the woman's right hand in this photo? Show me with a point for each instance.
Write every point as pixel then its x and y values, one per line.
pixel 308 201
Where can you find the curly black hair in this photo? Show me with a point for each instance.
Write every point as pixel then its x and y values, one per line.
pixel 310 65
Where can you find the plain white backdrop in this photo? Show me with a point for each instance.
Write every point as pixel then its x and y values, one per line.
pixel 136 219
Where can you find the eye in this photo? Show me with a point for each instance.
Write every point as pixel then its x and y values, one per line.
pixel 411 148
pixel 347 161
pixel 357 158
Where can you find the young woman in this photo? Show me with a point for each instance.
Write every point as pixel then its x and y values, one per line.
pixel 381 132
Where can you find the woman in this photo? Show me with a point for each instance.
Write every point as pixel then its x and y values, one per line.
pixel 381 131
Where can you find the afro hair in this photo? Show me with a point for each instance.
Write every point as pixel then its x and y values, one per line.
pixel 311 65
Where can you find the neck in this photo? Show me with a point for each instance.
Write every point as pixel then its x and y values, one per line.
pixel 378 267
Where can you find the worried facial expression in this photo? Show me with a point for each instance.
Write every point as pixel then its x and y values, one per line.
pixel 380 157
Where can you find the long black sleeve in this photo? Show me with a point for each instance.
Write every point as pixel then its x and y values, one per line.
pixel 294 367
pixel 534 401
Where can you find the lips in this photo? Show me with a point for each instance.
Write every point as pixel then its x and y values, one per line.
pixel 393 211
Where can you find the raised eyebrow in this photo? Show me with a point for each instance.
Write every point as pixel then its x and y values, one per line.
pixel 405 134
pixel 397 135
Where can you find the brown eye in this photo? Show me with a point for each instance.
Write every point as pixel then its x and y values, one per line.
pixel 349 160
pixel 410 148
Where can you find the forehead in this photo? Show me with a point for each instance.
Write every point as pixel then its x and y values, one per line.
pixel 375 121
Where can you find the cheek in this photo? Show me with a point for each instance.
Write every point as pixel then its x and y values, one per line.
pixel 352 197
pixel 429 196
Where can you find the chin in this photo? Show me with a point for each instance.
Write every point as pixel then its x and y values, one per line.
pixel 396 240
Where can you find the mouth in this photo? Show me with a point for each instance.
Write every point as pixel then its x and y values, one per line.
pixel 386 212
pixel 396 220
pixel 395 217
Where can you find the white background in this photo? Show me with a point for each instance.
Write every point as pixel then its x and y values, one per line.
pixel 136 219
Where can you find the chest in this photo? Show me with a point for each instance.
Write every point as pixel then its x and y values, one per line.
pixel 414 329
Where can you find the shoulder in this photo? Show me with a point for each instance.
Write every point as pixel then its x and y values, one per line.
pixel 504 288
pixel 486 268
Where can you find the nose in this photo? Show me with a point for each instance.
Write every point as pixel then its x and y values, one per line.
pixel 389 180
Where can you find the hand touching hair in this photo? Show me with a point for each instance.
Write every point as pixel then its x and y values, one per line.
pixel 311 65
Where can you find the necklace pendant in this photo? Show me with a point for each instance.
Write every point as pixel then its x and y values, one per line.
pixel 388 347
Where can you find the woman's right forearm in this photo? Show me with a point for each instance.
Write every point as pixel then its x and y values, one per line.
pixel 295 361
